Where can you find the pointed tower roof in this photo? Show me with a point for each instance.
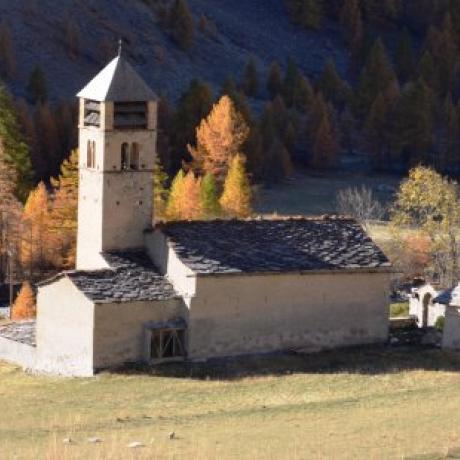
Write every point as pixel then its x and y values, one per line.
pixel 117 82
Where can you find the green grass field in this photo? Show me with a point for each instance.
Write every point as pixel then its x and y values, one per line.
pixel 374 404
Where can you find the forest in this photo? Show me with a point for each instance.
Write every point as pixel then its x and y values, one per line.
pixel 396 105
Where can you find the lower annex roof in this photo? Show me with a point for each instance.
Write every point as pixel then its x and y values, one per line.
pixel 131 277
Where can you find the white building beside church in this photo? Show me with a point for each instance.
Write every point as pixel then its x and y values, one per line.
pixel 188 290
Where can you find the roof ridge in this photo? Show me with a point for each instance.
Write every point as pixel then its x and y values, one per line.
pixel 264 218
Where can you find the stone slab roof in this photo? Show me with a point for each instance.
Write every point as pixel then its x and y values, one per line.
pixel 21 331
pixel 131 277
pixel 118 82
pixel 271 246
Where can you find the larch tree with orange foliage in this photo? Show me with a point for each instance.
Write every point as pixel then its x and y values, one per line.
pixel 236 197
pixel 63 216
pixel 35 244
pixel 24 306
pixel 184 201
pixel 219 138
pixel 190 203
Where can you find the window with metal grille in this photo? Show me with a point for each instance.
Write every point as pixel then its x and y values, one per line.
pixel 92 113
pixel 167 344
pixel 130 115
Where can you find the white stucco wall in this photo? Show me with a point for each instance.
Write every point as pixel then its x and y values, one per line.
pixel 119 329
pixel 181 277
pixel 416 305
pixel 65 321
pixel 18 353
pixel 233 315
pixel 451 332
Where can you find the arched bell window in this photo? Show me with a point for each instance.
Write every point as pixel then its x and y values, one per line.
pixel 134 158
pixel 125 156
pixel 91 154
pixel 88 154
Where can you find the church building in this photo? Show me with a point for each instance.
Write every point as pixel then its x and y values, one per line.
pixel 188 290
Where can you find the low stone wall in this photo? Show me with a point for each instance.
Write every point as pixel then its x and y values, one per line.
pixel 18 353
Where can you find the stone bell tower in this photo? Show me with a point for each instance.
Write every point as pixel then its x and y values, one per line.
pixel 117 142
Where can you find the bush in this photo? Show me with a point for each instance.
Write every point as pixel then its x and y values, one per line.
pixel 399 309
pixel 439 323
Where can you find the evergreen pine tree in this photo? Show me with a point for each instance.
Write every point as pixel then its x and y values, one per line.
pixel 304 95
pixel 290 82
pixel 24 306
pixel 450 137
pixel 274 80
pixel 250 84
pixel 413 122
pixel 36 88
pixel 236 197
pixel 404 58
pixel 15 150
pixel 194 105
pixel 72 38
pixel 208 195
pixel 323 137
pixel 332 87
pixel 49 142
pixel 352 23
pixel 306 13
pixel 376 133
pixel 181 24
pixel 375 78
pixel 278 163
pixel 426 69
pixel 10 215
pixel 7 56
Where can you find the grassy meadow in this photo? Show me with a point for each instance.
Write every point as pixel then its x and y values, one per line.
pixel 354 404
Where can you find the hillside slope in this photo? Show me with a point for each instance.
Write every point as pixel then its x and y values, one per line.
pixel 256 27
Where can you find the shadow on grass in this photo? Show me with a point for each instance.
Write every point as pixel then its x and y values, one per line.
pixel 451 454
pixel 370 360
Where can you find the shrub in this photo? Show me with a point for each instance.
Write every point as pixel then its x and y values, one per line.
pixel 439 323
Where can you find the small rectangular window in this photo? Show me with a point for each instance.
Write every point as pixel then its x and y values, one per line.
pixel 167 344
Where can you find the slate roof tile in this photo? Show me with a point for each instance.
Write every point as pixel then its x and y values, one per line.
pixel 278 245
pixel 132 277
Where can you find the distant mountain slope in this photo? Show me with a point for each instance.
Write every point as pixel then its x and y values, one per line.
pixel 250 27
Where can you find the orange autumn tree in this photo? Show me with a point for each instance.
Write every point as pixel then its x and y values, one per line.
pixel 35 244
pixel 236 197
pixel 184 201
pixel 63 216
pixel 24 306
pixel 219 138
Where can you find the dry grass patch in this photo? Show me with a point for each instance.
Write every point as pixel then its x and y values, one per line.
pixel 350 404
